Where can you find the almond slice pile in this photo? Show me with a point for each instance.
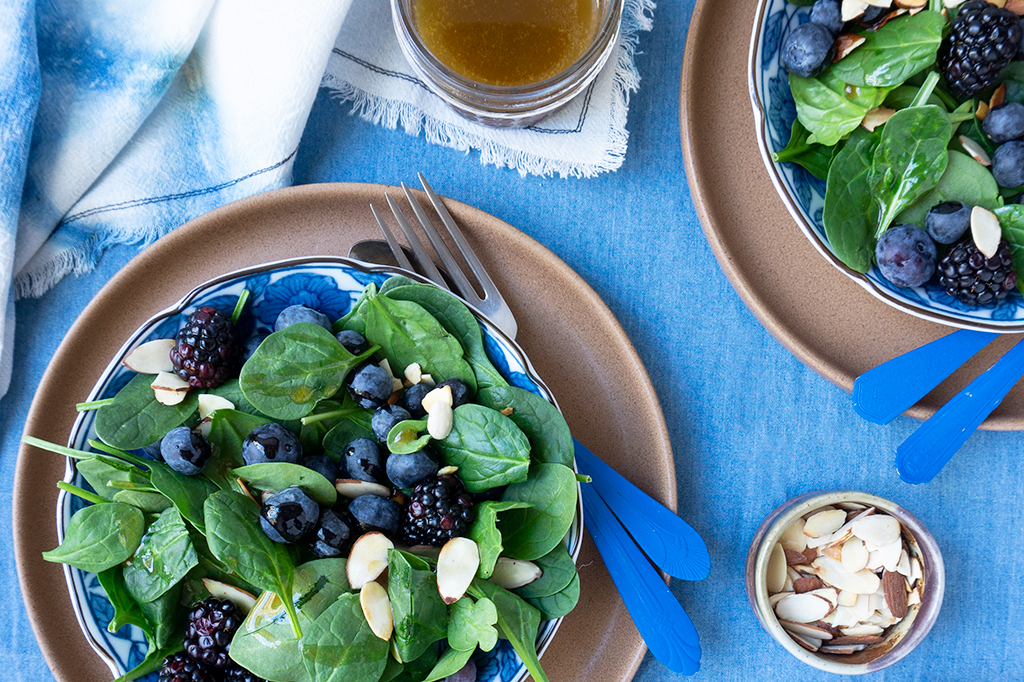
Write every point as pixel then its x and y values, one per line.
pixel 839 577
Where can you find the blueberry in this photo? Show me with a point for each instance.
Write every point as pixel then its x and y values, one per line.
pixel 412 400
pixel 386 417
pixel 1008 164
pixel 370 386
pixel 271 443
pixel 460 391
pixel 1005 122
pixel 153 451
pixel 323 465
pixel 906 255
pixel 375 513
pixel 332 535
pixel 407 470
pixel 808 50
pixel 947 222
pixel 873 15
pixel 294 314
pixel 829 14
pixel 362 461
pixel 184 451
pixel 354 342
pixel 291 513
pixel 251 345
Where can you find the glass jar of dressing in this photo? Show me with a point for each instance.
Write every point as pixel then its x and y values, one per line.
pixel 507 63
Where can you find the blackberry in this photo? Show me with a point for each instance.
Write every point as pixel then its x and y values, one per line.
pixel 205 351
pixel 211 625
pixel 983 39
pixel 439 509
pixel 236 673
pixel 968 276
pixel 180 667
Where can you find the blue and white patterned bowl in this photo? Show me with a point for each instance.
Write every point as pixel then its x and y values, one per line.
pixel 804 194
pixel 331 285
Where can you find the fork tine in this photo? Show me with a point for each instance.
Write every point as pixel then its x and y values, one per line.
pixel 396 249
pixel 422 256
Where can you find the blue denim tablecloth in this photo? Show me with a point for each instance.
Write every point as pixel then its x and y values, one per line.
pixel 751 426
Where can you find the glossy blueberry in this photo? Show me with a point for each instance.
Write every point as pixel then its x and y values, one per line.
pixel 808 50
pixel 385 417
pixel 361 461
pixel 370 386
pixel 1005 122
pixel 404 471
pixel 412 400
pixel 294 314
pixel 184 451
pixel 460 391
pixel 323 465
pixel 1008 164
pixel 251 345
pixel 829 14
pixel 354 342
pixel 332 535
pixel 271 443
pixel 947 222
pixel 375 513
pixel 906 255
pixel 291 513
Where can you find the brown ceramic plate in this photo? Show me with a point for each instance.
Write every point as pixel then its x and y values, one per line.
pixel 823 317
pixel 620 416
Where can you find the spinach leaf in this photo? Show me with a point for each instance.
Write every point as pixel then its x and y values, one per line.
pixel 472 624
pixel 152 662
pixel 353 423
pixel 355 318
pixel 904 96
pixel 487 446
pixel 135 418
pixel 99 536
pixel 236 539
pixel 420 615
pixel 964 180
pixel 404 437
pixel 276 476
pixel 152 503
pixel 312 432
pixel 187 493
pixel 164 556
pixel 518 622
pixel 830 108
pixel 557 572
pixel 457 319
pixel 411 671
pixel 849 213
pixel 541 422
pixel 909 160
pixel 167 617
pixel 407 333
pixel 893 53
pixel 484 532
pixel 100 471
pixel 339 645
pixel 451 662
pixel 228 431
pixel 1012 76
pixel 295 368
pixel 396 281
pixel 230 390
pixel 816 158
pixel 1011 219
pixel 533 532
pixel 561 603
pixel 126 609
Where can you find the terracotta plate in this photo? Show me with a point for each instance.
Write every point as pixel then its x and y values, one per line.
pixel 818 313
pixel 569 335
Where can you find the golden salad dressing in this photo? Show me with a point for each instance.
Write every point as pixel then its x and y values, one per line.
pixel 506 42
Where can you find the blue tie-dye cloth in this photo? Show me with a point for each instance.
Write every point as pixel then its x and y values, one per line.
pixel 121 120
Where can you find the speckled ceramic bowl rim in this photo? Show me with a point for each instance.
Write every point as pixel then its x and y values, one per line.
pixel 761 133
pixel 771 530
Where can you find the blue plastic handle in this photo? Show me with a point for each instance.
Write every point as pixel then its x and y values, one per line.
pixel 887 391
pixel 927 450
pixel 668 541
pixel 662 622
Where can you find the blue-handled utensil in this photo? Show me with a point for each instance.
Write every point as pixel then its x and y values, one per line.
pixel 927 450
pixel 668 541
pixel 887 391
pixel 657 614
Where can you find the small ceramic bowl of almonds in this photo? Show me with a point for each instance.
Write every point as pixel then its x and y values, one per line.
pixel 847 582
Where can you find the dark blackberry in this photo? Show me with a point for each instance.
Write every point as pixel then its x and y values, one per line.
pixel 983 39
pixel 236 673
pixel 181 667
pixel 439 509
pixel 968 276
pixel 211 625
pixel 205 351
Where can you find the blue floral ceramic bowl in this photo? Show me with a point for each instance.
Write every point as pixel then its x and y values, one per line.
pixel 331 285
pixel 804 194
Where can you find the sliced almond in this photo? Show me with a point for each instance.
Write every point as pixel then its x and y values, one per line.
pixel 512 573
pixel 889 555
pixel 210 403
pixel 168 397
pixel 903 565
pixel 444 394
pixel 851 9
pixel 440 419
pixel 877 529
pixel 1015 6
pixel 777 597
pixel 950 4
pixel 843 617
pixel 833 552
pixel 847 598
pixel 167 381
pixel 456 567
pixel 863 607
pixel 829 594
pixel 237 596
pixel 793 536
pixel 879 3
pixel 976 151
pixel 841 649
pixel 876 117
pixel 911 4
pixel 805 629
pixel 983 108
pixel 152 357
pixel 794 558
pixel 377 610
pixel 414 373
pixel 834 574
pixel 985 230
pixel 895 593
pixel 447 471
pixel 367 559
pixel 810 643
pixel 847 43
pixel 998 97
pixel 803 608
pixel 353 488
pixel 913 599
pixel 824 523
pixel 810 554
pixel 867 640
pixel 860 630
pixel 855 555
pixel 809 584
pixel 915 567
pixel 775 574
